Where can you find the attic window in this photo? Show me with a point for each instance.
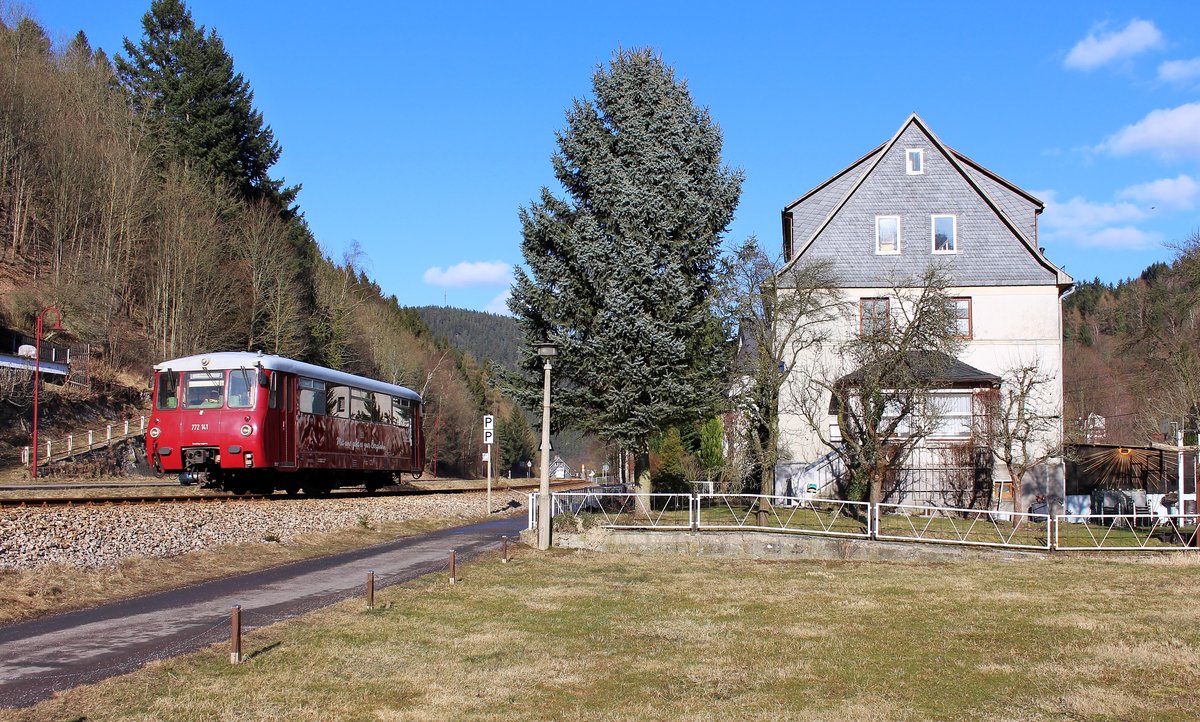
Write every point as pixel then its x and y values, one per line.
pixel 887 234
pixel 914 161
pixel 945 234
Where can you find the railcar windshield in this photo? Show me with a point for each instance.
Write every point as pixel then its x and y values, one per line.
pixel 242 383
pixel 203 389
pixel 168 391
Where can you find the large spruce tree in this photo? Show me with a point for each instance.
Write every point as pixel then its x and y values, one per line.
pixel 182 78
pixel 621 273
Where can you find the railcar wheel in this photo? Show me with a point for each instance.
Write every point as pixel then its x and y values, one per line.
pixel 291 489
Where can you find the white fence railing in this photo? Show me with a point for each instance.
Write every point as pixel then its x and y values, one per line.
pixel 825 517
pixel 922 523
pixel 72 444
pixel 1101 532
pixel 624 510
pixel 946 525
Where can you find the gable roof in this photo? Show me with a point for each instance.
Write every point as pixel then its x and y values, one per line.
pixel 867 164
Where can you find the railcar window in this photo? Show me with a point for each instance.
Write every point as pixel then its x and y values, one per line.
pixel 337 401
pixel 383 406
pixel 363 406
pixel 168 390
pixel 242 385
pixel 203 389
pixel 312 396
pixel 403 416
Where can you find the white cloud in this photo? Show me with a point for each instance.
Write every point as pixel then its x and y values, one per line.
pixel 1179 193
pixel 1169 133
pixel 1179 71
pixel 1101 47
pixel 1094 225
pixel 499 304
pixel 1122 238
pixel 1081 213
pixel 465 274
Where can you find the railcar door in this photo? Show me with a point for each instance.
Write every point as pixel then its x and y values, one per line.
pixel 281 419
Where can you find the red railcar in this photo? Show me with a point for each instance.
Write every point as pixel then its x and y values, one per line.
pixel 252 422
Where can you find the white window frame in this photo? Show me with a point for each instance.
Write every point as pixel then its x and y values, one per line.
pixel 933 233
pixel 970 320
pixel 880 251
pixel 908 161
pixel 966 420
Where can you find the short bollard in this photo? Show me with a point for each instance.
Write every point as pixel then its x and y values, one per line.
pixel 452 574
pixel 504 550
pixel 235 635
pixel 371 589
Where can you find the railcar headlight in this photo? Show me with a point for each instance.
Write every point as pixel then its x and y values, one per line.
pixel 154 432
pixel 247 429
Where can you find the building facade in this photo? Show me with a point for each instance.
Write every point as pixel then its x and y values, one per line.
pixel 880 225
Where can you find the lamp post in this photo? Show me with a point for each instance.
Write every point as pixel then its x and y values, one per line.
pixel 37 375
pixel 547 352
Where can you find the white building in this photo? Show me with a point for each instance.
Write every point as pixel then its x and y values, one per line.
pixel 905 206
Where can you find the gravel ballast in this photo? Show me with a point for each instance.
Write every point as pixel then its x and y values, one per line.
pixel 103 536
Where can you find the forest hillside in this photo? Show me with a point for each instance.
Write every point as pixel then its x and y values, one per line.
pixel 136 196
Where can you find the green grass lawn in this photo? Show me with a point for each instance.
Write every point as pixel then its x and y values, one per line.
pixel 585 636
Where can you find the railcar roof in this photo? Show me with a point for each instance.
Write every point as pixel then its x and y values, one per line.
pixel 247 359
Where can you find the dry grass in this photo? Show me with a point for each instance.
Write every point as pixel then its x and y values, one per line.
pixel 25 594
pixel 574 636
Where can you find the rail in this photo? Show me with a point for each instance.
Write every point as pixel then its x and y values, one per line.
pixel 66 448
pixel 914 523
pixel 1126 532
pixel 825 517
pixel 975 527
pixel 623 510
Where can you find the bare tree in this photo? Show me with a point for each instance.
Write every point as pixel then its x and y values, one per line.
pixel 782 312
pixel 877 383
pixel 1015 427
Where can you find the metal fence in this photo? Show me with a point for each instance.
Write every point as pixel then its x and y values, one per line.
pixel 577 511
pixel 825 517
pixel 920 523
pixel 1129 532
pixel 948 525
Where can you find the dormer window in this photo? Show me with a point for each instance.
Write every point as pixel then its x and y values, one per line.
pixel 914 161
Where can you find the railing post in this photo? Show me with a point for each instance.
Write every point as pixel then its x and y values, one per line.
pixel 235 635
pixel 694 512
pixel 872 521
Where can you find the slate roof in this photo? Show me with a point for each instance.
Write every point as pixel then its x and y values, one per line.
pixel 940 370
pixel 998 220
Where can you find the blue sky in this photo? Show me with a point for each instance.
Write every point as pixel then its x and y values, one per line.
pixel 418 130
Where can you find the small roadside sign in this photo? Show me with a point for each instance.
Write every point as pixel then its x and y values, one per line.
pixel 489 437
pixel 489 422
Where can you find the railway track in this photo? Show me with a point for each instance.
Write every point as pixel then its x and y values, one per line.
pixel 233 498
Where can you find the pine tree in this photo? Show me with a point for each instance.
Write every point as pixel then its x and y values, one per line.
pixel 182 78
pixel 621 273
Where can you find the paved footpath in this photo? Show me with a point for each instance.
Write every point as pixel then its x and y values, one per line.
pixel 42 656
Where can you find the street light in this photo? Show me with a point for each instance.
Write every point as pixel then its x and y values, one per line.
pixel 37 374
pixel 547 351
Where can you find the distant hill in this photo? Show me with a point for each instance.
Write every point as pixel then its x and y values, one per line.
pixel 486 336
